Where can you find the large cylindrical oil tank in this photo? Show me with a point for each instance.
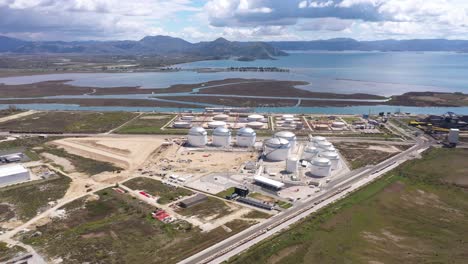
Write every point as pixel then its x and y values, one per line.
pixel 221 137
pixel 320 167
pixel 216 124
pixel 324 145
pixel 246 137
pixel 197 137
pixel 277 149
pixel 333 157
pixel 310 152
pixel 289 136
pixel 255 118
pixel 317 139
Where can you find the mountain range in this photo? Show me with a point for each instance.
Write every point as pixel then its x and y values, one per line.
pixel 150 45
pixel 222 48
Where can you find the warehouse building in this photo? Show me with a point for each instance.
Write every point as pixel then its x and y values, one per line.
pixel 13 173
pixel 189 202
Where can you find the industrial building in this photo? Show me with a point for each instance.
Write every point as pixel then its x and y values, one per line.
pixel 13 173
pixel 221 137
pixel 268 182
pixel 10 158
pixel 256 203
pixel 197 137
pixel 189 202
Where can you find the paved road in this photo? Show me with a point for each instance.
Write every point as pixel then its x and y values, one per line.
pixel 353 177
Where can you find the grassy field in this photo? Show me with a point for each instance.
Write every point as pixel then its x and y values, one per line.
pixel 414 214
pixel 350 119
pixel 6 253
pixel 146 124
pixel 26 145
pixel 257 214
pixel 166 193
pixel 359 154
pixel 211 208
pixel 226 192
pixel 26 200
pixel 269 199
pixel 118 229
pixel 68 122
pixel 82 164
pixel 8 112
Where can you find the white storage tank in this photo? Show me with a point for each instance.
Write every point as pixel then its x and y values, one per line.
pixel 328 149
pixel 277 149
pixel 289 136
pixel 221 137
pixel 291 165
pixel 453 136
pixel 338 124
pixel 333 157
pixel 310 152
pixel 255 118
pixel 318 139
pixel 197 137
pixel 181 124
pixel 187 118
pixel 256 125
pixel 220 117
pixel 246 137
pixel 324 145
pixel 216 124
pixel 321 167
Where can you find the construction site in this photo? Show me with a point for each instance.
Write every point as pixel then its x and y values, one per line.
pixel 219 175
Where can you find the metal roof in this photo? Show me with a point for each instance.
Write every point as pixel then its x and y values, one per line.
pixel 246 132
pixel 277 143
pixel 7 170
pixel 269 182
pixel 197 131
pixel 221 131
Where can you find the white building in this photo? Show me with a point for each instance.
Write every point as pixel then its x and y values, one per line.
pixel 277 149
pixel 268 182
pixel 246 137
pixel 221 137
pixel 13 173
pixel 197 137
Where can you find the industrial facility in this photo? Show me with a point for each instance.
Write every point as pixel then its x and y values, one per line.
pixel 13 173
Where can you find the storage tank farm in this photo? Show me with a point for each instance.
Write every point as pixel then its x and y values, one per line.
pixel 197 137
pixel 333 157
pixel 321 167
pixel 221 137
pixel 246 137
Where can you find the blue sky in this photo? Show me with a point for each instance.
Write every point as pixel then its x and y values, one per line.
pixel 197 20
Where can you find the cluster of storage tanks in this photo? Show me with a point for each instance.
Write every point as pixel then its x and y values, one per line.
pixel 322 156
pixel 221 137
pixel 319 153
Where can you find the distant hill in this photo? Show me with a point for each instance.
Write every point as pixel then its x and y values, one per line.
pixel 341 44
pixel 150 45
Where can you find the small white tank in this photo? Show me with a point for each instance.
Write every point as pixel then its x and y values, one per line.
pixel 289 136
pixel 320 167
pixel 318 139
pixel 256 125
pixel 220 117
pixel 338 124
pixel 333 157
pixel 291 165
pixel 453 136
pixel 221 137
pixel 246 137
pixel 216 124
pixel 197 137
pixel 181 124
pixel 310 152
pixel 324 145
pixel 255 118
pixel 277 149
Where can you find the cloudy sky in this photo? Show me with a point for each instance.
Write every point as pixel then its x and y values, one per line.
pixel 197 20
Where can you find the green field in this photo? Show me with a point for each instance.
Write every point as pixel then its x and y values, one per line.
pixel 414 214
pixel 26 200
pixel 7 253
pixel 118 229
pixel 165 193
pixel 146 124
pixel 360 155
pixel 68 122
pixel 25 145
